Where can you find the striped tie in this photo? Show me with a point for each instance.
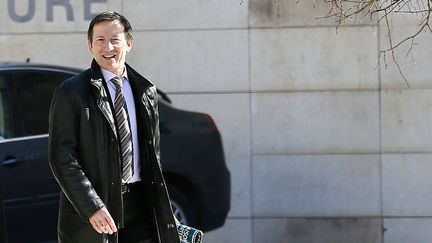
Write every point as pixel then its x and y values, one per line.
pixel 123 131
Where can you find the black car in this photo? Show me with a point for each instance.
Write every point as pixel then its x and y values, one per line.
pixel 191 154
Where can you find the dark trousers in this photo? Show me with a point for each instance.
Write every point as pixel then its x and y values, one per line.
pixel 138 219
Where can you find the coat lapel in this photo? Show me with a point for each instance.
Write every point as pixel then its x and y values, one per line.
pixel 102 98
pixel 144 90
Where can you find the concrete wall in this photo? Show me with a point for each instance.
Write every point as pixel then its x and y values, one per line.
pixel 323 144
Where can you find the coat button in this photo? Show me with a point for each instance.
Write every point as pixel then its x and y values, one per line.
pixel 170 226
pixel 149 142
pixel 162 184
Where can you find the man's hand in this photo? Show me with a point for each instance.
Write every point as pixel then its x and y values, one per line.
pixel 102 222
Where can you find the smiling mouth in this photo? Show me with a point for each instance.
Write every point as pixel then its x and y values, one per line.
pixel 108 57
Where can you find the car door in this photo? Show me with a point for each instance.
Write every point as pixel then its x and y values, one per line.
pixel 2 222
pixel 28 190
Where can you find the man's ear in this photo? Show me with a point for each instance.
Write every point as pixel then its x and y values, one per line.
pixel 130 44
pixel 89 44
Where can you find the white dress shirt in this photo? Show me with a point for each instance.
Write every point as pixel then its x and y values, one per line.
pixel 130 104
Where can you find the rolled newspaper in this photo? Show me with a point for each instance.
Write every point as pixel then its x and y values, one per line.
pixel 188 234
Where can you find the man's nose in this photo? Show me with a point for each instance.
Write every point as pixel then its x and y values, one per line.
pixel 109 46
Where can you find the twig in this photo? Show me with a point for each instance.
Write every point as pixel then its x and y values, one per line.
pixel 347 10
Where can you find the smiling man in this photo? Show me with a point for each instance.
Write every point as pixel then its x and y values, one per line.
pixel 104 147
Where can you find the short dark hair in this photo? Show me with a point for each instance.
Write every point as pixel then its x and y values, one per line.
pixel 110 16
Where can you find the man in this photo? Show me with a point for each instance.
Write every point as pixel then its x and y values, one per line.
pixel 104 147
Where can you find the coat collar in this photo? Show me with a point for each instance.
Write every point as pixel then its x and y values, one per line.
pixel 138 82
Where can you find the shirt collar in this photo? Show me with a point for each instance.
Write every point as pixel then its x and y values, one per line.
pixel 109 75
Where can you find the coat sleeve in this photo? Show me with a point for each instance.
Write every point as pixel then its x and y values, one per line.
pixel 64 158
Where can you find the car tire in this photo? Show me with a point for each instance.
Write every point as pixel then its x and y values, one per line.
pixel 182 207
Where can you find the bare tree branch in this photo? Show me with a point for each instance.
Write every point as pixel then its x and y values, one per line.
pixel 357 11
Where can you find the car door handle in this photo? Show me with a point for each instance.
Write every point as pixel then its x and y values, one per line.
pixel 11 162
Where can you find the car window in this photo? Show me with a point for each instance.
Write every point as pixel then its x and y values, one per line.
pixel 30 101
pixel 6 124
pixel 2 115
pixel 33 92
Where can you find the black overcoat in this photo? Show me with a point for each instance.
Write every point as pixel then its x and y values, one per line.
pixel 84 156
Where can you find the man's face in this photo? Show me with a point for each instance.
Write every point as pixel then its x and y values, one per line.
pixel 109 46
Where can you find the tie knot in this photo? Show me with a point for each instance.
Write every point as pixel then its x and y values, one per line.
pixel 117 81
